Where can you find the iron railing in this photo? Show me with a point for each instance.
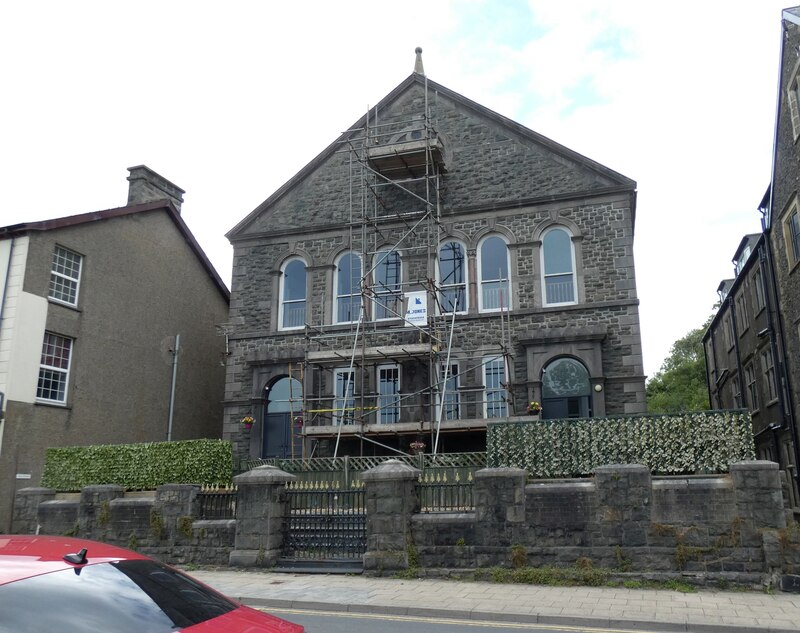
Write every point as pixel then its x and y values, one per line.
pixel 437 494
pixel 216 503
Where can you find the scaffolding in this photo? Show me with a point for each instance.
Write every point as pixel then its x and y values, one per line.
pixel 395 175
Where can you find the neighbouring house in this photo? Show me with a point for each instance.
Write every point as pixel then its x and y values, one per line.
pixel 753 345
pixel 107 333
pixel 436 267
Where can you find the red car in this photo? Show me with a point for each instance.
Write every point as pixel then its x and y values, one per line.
pixel 54 584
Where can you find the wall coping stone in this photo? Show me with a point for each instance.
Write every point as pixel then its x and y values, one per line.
pixel 261 475
pixel 503 471
pixel 754 465
pixel 214 523
pixel 60 502
pixel 102 488
pixel 136 501
pixel 610 468
pixel 560 487
pixel 36 491
pixel 723 481
pixel 391 469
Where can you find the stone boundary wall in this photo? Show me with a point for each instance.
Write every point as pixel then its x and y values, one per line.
pixel 731 527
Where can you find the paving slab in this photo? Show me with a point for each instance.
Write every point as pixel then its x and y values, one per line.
pixel 707 611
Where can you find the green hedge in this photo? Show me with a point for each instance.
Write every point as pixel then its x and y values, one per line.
pixel 139 466
pixel 707 441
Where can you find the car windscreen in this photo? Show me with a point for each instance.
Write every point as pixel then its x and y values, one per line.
pixel 124 597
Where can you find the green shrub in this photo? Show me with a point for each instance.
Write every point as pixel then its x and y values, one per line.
pixel 706 441
pixel 139 466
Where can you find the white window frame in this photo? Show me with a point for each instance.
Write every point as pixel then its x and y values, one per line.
pixel 355 292
pixel 545 275
pixel 382 293
pixel 505 288
pixel 283 303
pixel 50 338
pixel 344 398
pixel 499 410
pixel 62 278
pixel 388 403
pixel 452 395
pixel 444 287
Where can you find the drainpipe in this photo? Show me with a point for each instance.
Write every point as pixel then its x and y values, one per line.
pixel 172 388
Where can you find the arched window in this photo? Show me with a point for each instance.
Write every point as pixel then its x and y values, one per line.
pixel 387 278
pixel 283 404
pixel 493 264
pixel 566 390
pixel 453 277
pixel 293 295
pixel 558 266
pixel 348 288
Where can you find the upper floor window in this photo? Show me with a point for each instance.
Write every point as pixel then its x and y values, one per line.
pixel 387 278
pixel 558 265
pixel 768 369
pixel 759 299
pixel 792 236
pixel 736 393
pixel 752 388
pixel 493 264
pixel 453 277
pixel 65 276
pixel 54 368
pixel 741 313
pixel 348 288
pixel 293 295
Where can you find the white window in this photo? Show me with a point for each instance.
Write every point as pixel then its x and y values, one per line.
pixel 293 295
pixel 558 266
pixel 493 264
pixel 388 394
pixel 387 276
pixel 348 288
pixel 344 401
pixel 494 380
pixel 54 368
pixel 448 392
pixel 65 276
pixel 453 277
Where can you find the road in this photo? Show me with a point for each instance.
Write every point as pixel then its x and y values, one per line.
pixel 341 622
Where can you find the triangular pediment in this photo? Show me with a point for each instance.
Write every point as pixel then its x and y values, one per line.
pixel 486 160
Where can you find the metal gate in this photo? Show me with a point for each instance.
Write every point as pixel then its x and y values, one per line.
pixel 325 528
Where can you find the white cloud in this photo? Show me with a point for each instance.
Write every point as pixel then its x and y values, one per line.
pixel 229 101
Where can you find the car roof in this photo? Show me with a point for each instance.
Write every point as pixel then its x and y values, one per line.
pixel 23 556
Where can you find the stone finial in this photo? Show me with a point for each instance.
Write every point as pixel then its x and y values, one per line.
pixel 418 68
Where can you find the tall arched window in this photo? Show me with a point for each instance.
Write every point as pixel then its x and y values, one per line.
pixel 293 295
pixel 348 288
pixel 566 390
pixel 453 277
pixel 283 403
pixel 558 267
pixel 493 264
pixel 387 278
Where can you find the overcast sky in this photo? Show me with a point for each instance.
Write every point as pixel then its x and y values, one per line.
pixel 228 100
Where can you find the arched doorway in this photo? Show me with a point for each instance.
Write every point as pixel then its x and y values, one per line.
pixel 566 390
pixel 283 403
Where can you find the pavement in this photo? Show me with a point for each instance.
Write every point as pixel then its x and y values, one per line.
pixel 604 607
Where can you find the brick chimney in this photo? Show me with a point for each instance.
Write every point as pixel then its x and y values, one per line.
pixel 147 186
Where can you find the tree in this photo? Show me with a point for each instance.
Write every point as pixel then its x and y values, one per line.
pixel 681 383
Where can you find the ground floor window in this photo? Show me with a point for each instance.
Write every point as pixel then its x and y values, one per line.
pixel 344 401
pixel 494 380
pixel 566 390
pixel 448 390
pixel 388 394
